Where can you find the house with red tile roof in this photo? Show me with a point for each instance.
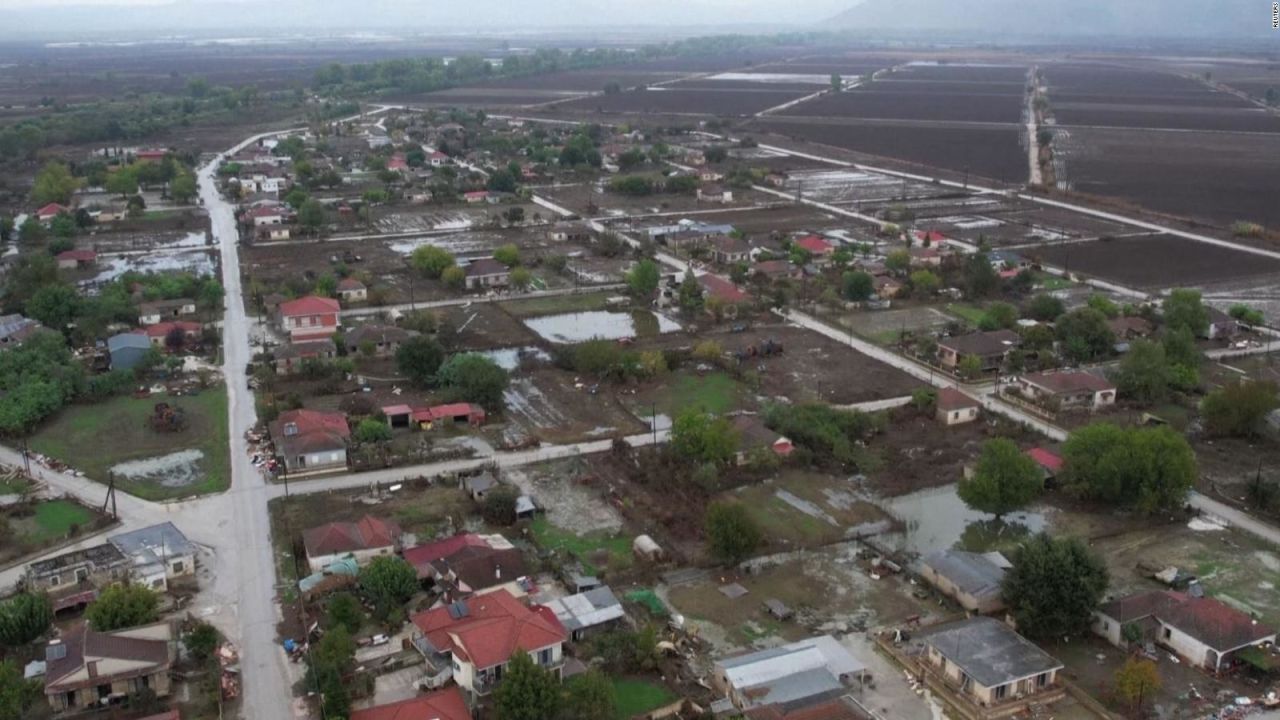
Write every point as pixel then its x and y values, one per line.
pixel 158 333
pixel 473 640
pixel 365 539
pixel 311 440
pixel 815 245
pixel 954 407
pixel 352 290
pixel 50 211
pixel 448 704
pixel 1067 389
pixel 1204 631
pixel 87 669
pixel 469 563
pixel 308 318
pixel 723 289
pixel 72 259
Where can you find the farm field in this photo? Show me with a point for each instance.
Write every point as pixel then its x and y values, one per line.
pixel 1243 120
pixel 116 437
pixel 901 103
pixel 580 81
pixel 42 523
pixel 485 96
pixel 1217 177
pixel 686 102
pixel 961 72
pixel 1157 261
pixel 988 152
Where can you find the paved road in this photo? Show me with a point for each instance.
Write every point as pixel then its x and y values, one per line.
pixel 453 302
pixel 1235 518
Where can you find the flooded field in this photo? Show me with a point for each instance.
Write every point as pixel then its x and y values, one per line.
pixel 601 324
pixel 175 470
pixel 510 358
pixel 937 519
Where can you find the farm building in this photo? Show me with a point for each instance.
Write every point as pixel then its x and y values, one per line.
pixel 1204 631
pixel 987 663
pixel 472 640
pixel 727 250
pixel 796 675
pixel 1049 461
pixel 150 313
pixel 715 193
pixel 84 667
pixel 384 340
pixel 308 318
pixel 722 289
pixel 990 347
pixel 569 232
pixel 352 290
pixel 289 358
pixel 886 287
pixel 592 611
pixel 753 434
pixel 815 246
pixel 954 407
pixel 1130 327
pixel 447 704
pixel 72 259
pixel 426 418
pixel 127 350
pixel 1221 325
pixel 1068 389
pixel 75 577
pixel 311 440
pixel 15 329
pixel 487 273
pixel 478 486
pixel 163 335
pixel 159 553
pixel 971 579
pixel 365 539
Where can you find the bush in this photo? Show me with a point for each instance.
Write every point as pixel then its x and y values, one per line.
pixel 731 533
pixel 123 606
pixel 829 434
pixel 474 378
pixel 702 438
pixel 1239 409
pixel 23 618
pixel 499 506
pixel 202 641
pixel 371 431
pixel 1149 469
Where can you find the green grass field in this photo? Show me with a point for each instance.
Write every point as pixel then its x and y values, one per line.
pixel 558 304
pixel 969 313
pixel 1045 281
pixel 715 392
pixel 55 518
pixel 595 551
pixel 632 697
pixel 93 438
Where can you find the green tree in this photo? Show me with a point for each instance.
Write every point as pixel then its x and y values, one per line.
pixel 643 278
pixel 970 366
pixel 1147 468
pixel 1005 479
pixel 63 226
pixel 17 694
pixel 454 277
pixel 508 255
pixel 344 610
pixel 122 182
pixel 183 188
pixel 311 216
pixel 1104 305
pixel 326 285
pixel 857 285
pixel 703 438
pixel 499 506
pixel 837 83
pixel 589 696
pixel 296 198
pixel 1180 347
pixel 1144 372
pixel 1136 681
pixel 690 294
pixel 1239 409
pixel 474 378
pixel 54 305
pixel 419 359
pixel 371 431
pixel 527 691
pixel 332 661
pixel 925 283
pixel 1045 308
pixel 1184 309
pixel 202 641
pixel 898 261
pixel 1085 335
pixel 54 184
pixel 999 316
pixel 431 261
pixel 123 606
pixel 1247 315
pixel 732 534
pixel 1053 587
pixel 23 618
pixel 521 278
pixel 388 582
pixel 981 280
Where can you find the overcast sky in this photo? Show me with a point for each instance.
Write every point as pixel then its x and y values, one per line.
pixel 775 9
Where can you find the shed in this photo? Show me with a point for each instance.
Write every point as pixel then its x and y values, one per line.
pixel 646 549
pixel 127 350
pixel 477 486
pixel 778 609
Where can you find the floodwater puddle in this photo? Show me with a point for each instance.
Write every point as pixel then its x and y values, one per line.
pixel 600 324
pixel 937 519
pixel 175 470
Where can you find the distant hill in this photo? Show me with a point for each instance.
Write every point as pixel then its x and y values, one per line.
pixel 995 19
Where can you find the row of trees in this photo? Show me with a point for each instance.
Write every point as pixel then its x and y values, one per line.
pixel 465 377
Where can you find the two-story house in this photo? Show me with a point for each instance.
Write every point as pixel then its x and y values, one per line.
pixel 75 577
pixel 86 669
pixel 308 318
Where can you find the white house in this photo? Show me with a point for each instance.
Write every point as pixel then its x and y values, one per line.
pixel 990 664
pixel 364 540
pixel 1204 631
pixel 160 553
pixel 1069 389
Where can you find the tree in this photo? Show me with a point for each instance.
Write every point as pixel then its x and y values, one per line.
pixel 690 294
pixel 344 610
pixel 1147 468
pixel 703 438
pixel 521 278
pixel 371 431
pixel 1137 680
pixel 418 359
pixel 388 581
pixel 981 280
pixel 716 154
pixel 31 231
pixel 331 661
pixel 501 180
pixel 528 691
pixel 857 285
pixel 1053 587
pixel 925 283
pixel 1104 305
pixel 122 182
pixel 454 277
pixel 23 618
pixel 898 261
pixel 54 305
pixel 970 366
pixel 202 641
pixel 1085 335
pixel 1247 315
pixel 431 261
pixel 589 696
pixel 1180 347
pixel 123 606
pixel 1184 309
pixel 499 506
pixel 1045 308
pixel 1144 372
pixel 63 226
pixel 54 184
pixel 296 198
pixel 311 215
pixel 474 378
pixel 183 188
pixel 1239 409
pixel 732 534
pixel 643 279
pixel 1006 479
pixel 16 693
pixel 837 83
pixel 508 255
pixel 631 159
pixel 999 316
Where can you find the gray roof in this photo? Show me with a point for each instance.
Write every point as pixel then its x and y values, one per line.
pixel 796 690
pixel 973 573
pixel 162 540
pixel 588 609
pixel 990 652
pixel 127 340
pixel 481 482
pixel 769 666
pixel 103 555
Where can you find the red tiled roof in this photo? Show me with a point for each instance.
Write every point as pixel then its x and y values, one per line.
pixel 814 244
pixel 316 431
pixel 309 305
pixel 1214 623
pixel 933 236
pixel 339 537
pixel 440 705
pixel 266 211
pixel 51 209
pixel 722 288
pixel 952 399
pixel 420 556
pixel 441 412
pixel 494 627
pixel 164 328
pixel 350 283
pixel 82 643
pixel 1046 459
